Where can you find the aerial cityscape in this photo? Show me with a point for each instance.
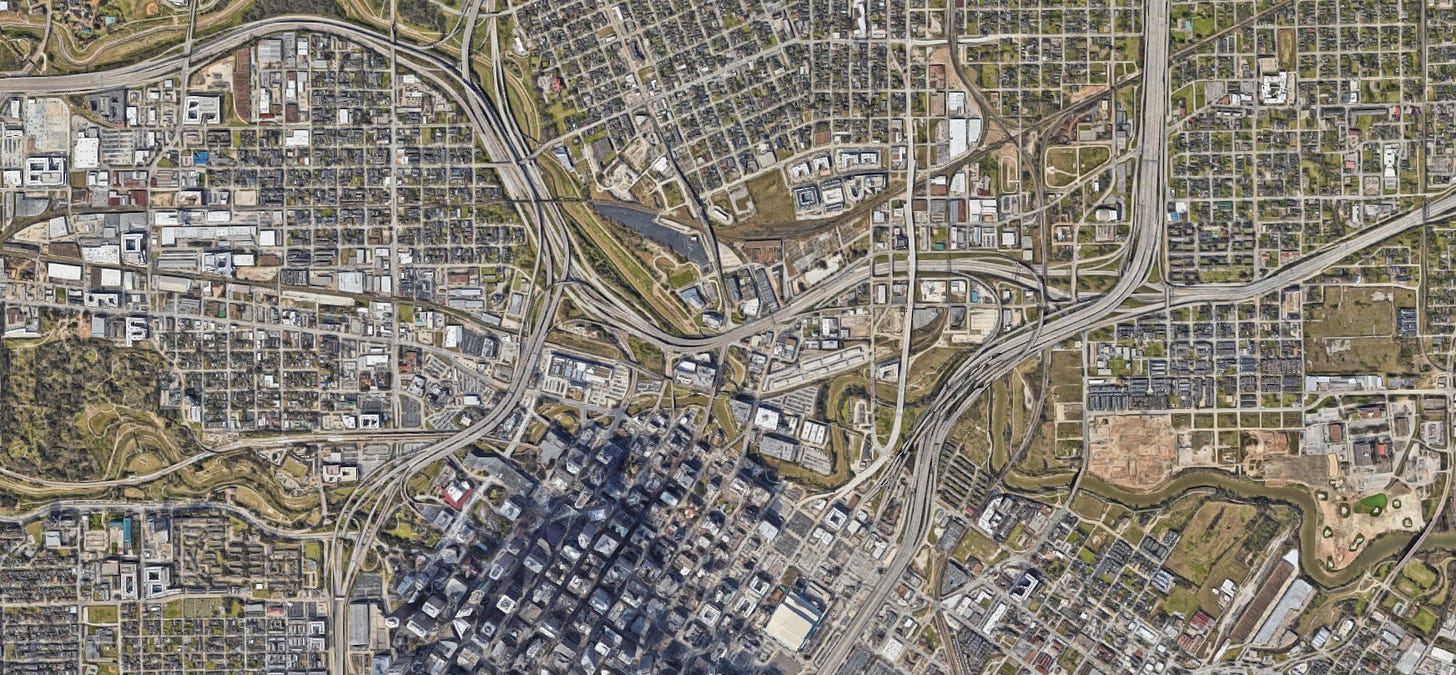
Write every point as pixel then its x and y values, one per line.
pixel 834 337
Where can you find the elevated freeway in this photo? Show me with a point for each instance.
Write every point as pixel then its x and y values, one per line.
pixel 562 273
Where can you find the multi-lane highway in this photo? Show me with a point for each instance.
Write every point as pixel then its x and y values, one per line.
pixel 991 363
pixel 374 498
pixel 994 361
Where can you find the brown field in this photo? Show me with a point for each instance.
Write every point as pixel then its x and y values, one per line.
pixel 1067 376
pixel 973 432
pixel 928 367
pixel 1088 506
pixel 1266 443
pixel 1287 52
pixel 763 251
pixel 1352 331
pixel 771 198
pixel 1132 451
pixel 257 273
pixel 1178 514
pixel 1313 470
pixel 1215 530
pixel 1009 165
pixel 1055 448
pixel 1379 355
pixel 1066 164
pixel 1215 545
pixel 1058 441
pixel 1355 312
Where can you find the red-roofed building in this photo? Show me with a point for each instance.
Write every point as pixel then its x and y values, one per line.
pixel 1200 621
pixel 457 493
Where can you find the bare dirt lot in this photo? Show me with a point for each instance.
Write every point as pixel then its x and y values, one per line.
pixel 1272 456
pixel 1262 443
pixel 1346 530
pixel 1132 451
pixel 1313 470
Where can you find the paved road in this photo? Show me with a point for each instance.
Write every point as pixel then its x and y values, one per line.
pixel 522 178
pixel 994 361
pixel 970 379
pixel 883 449
pixel 374 497
pixel 173 506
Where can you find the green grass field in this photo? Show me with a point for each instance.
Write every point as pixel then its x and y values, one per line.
pixel 1372 504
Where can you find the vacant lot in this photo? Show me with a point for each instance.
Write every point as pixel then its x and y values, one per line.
pixel 1177 515
pixel 1349 311
pixel 1288 53
pixel 1132 451
pixel 1216 530
pixel 1353 331
pixel 1057 444
pixel 1068 163
pixel 1088 506
pixel 973 431
pixel 1220 542
pixel 1381 356
pixel 771 199
pixel 1311 470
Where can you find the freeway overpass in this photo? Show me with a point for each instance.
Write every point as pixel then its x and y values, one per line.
pixel 522 179
pixel 970 379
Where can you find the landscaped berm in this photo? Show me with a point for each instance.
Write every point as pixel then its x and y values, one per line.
pixel 1373 504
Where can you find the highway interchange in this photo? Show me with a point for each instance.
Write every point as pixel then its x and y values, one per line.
pixel 989 364
pixel 561 270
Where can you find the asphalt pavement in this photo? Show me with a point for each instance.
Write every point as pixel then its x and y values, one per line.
pixel 522 178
